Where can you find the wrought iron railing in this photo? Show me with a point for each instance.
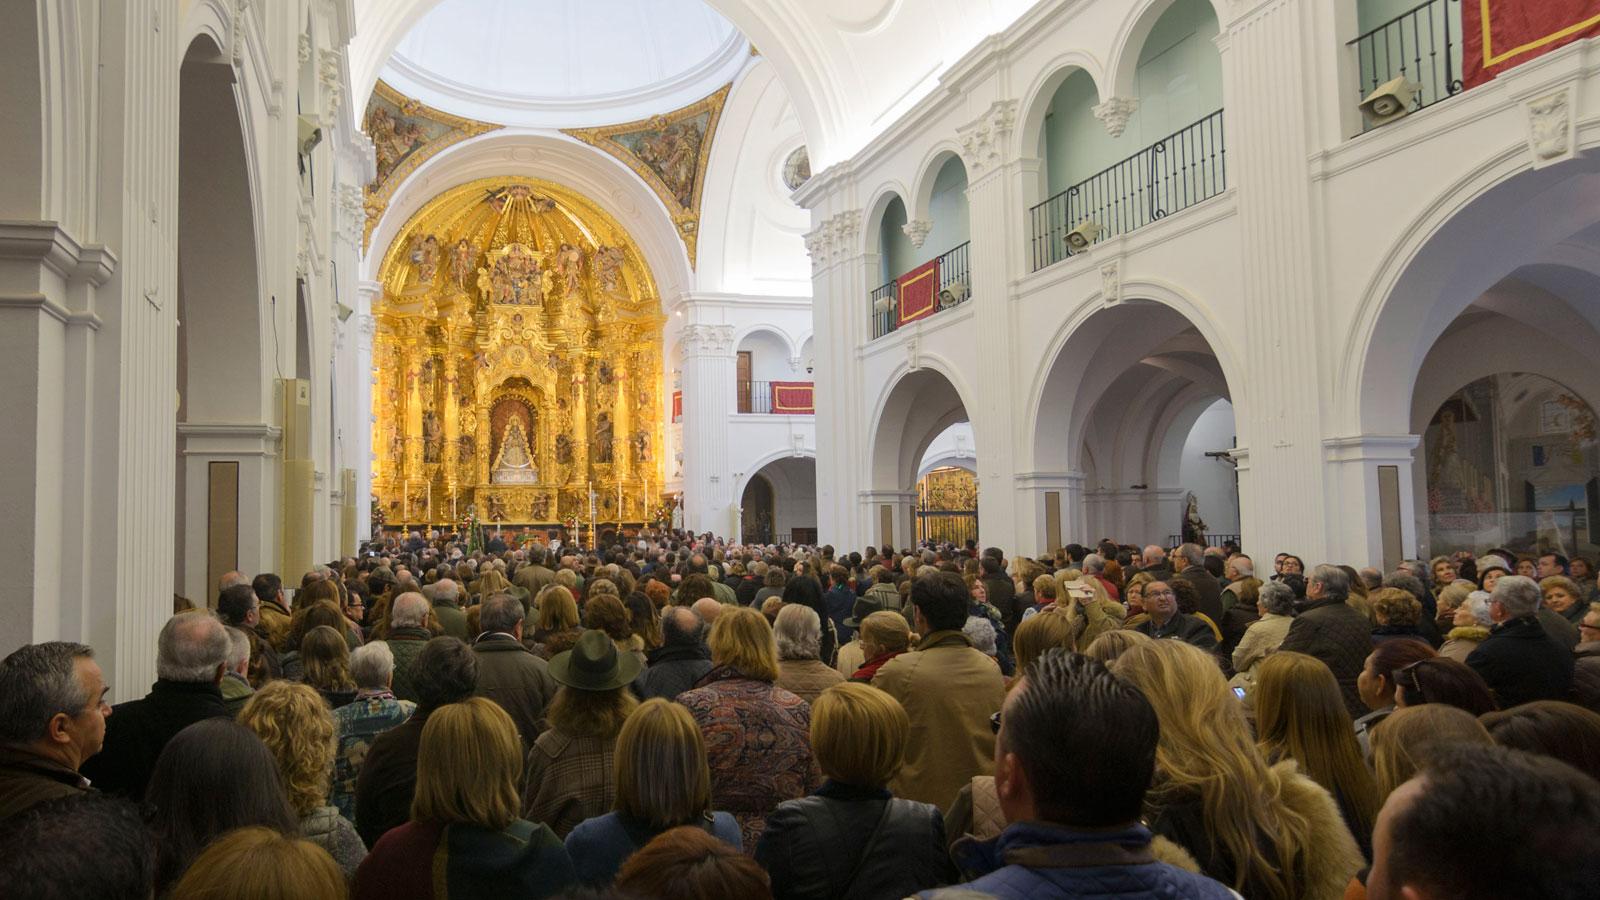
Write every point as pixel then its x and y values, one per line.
pixel 1212 539
pixel 955 288
pixel 1174 173
pixel 754 397
pixel 1423 44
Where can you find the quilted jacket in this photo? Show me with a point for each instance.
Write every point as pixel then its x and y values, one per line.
pixel 1339 635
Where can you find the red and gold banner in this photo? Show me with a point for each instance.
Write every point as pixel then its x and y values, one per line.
pixel 919 292
pixel 1500 34
pixel 794 397
pixel 677 406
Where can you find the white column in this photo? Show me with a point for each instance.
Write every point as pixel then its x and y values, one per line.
pixel 1033 490
pixel 841 307
pixel 1277 406
pixel 995 237
pixel 708 374
pixel 1361 532
pixel 902 531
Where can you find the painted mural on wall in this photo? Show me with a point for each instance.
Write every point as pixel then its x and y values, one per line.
pixel 405 133
pixel 1512 460
pixel 670 153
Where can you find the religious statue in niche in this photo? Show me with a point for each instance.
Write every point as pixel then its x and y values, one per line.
pixel 427 377
pixel 497 508
pixel 518 276
pixel 461 258
pixel 608 268
pixel 432 437
pixel 564 449
pixel 541 508
pixel 569 265
pixel 641 446
pixel 603 438
pixel 425 256
pixel 467 446
pixel 514 463
pixel 1194 527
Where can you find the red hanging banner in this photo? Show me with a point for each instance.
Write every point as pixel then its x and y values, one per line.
pixel 919 292
pixel 1499 34
pixel 677 406
pixel 794 397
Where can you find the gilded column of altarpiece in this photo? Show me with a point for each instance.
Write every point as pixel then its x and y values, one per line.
pixel 517 362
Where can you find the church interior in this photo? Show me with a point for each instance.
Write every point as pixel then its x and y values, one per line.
pixel 281 278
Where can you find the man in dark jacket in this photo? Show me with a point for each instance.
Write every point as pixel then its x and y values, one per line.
pixel 508 673
pixel 408 633
pixel 1153 561
pixel 1205 584
pixel 1075 829
pixel 1002 593
pixel 681 659
pixel 191 660
pixel 841 600
pixel 1165 621
pixel 1333 631
pixel 1520 662
pixel 446 672
pixel 52 718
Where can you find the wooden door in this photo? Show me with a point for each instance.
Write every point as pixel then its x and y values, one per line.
pixel 742 380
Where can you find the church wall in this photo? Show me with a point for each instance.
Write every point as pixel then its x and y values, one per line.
pixel 1212 480
pixel 1287 274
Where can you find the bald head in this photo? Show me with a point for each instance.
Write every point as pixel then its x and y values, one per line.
pixel 1153 555
pixel 707 609
pixel 231 579
pixel 681 625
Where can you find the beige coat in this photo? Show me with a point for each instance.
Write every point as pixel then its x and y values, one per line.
pixel 850 658
pixel 806 678
pixel 1261 638
pixel 949 691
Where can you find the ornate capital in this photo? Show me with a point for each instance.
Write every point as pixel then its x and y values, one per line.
pixel 985 138
pixel 832 241
pixel 330 65
pixel 1550 127
pixel 1115 113
pixel 917 230
pixel 241 8
pixel 707 340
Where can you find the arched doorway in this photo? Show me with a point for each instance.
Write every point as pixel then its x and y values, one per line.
pixel 779 503
pixel 1134 425
pixel 225 493
pixel 918 409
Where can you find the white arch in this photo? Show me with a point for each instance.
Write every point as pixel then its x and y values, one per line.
pixel 767 460
pixel 933 162
pixel 783 336
pixel 1129 43
pixel 558 158
pixel 887 444
pixel 1036 99
pixel 884 194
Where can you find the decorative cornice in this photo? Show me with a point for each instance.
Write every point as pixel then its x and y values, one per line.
pixel 1115 113
pixel 706 340
pixel 634 144
pixel 329 68
pixel 985 140
pixel 834 240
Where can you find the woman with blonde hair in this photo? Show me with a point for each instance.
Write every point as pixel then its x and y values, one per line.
pixel 297 727
pixel 757 734
pixel 884 635
pixel 569 775
pixel 1265 830
pixel 464 838
pixel 1107 647
pixel 559 625
pixel 662 781
pixel 1049 629
pixel 325 659
pixel 491 582
pixel 258 863
pixel 852 837
pixel 1133 597
pixel 1300 715
pixel 1401 742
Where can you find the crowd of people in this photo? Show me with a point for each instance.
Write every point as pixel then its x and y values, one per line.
pixel 674 716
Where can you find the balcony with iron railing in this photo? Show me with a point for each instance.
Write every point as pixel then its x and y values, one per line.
pixel 1174 173
pixel 955 288
pixel 1422 46
pixel 791 398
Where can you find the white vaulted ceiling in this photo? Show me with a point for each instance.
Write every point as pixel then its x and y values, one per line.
pixel 565 63
pixel 850 66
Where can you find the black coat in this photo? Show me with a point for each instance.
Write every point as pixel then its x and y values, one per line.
pixel 1003 596
pixel 1182 627
pixel 1339 635
pixel 672 669
pixel 139 730
pixel 1209 588
pixel 388 779
pixel 1522 663
pixel 851 843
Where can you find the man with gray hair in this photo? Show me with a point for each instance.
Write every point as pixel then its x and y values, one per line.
pixel 1154 561
pixel 1094 565
pixel 235 686
pixel 509 673
pixel 682 659
pixel 408 633
pixel 52 718
pixel 1519 660
pixel 1204 583
pixel 357 724
pixel 446 597
pixel 191 660
pixel 1333 631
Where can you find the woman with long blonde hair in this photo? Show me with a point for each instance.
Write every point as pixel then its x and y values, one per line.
pixel 1300 715
pixel 1400 743
pixel 297 726
pixel 663 782
pixel 1267 831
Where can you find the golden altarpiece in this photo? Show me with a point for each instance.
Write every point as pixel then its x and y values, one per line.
pixel 516 363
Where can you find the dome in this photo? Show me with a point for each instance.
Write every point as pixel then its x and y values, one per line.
pixel 565 63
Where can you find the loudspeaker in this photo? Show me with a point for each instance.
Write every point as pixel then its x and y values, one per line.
pixel 1079 238
pixel 1391 101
